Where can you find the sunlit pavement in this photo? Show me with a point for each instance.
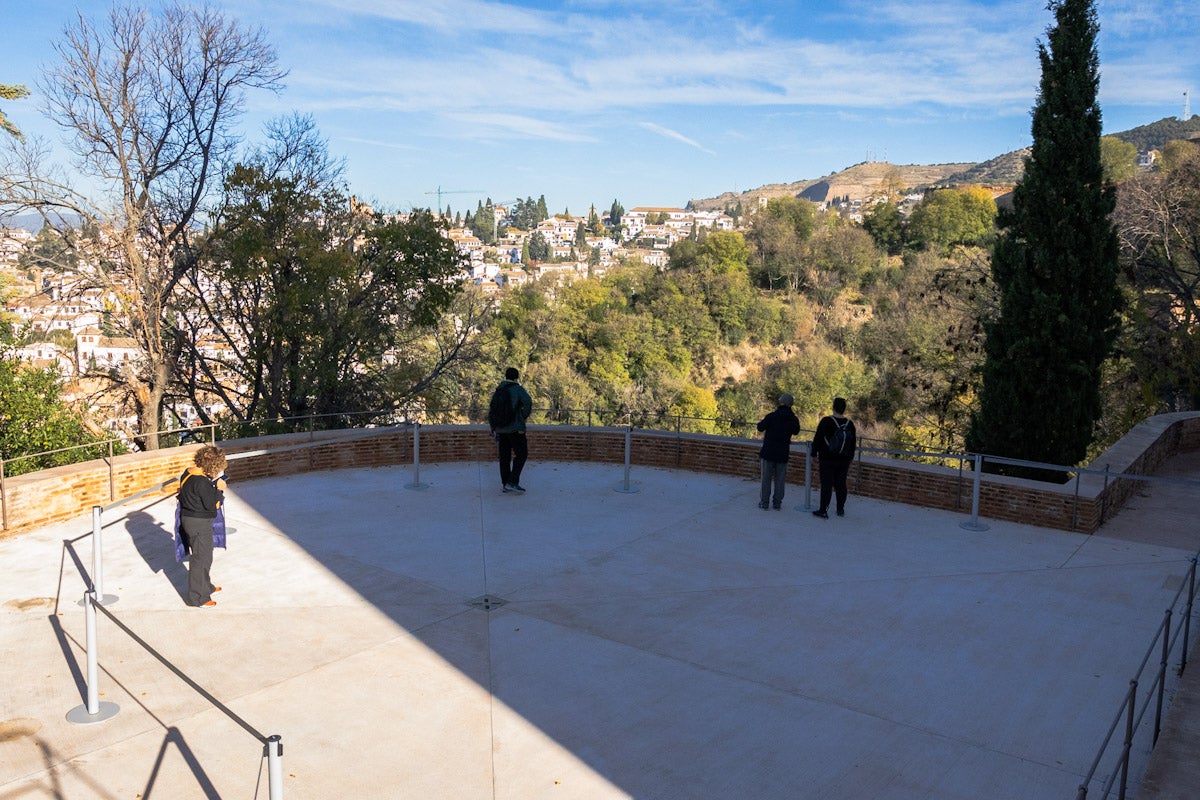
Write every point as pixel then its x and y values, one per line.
pixel 452 641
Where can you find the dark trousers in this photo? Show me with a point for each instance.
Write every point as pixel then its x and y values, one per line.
pixel 833 479
pixel 514 449
pixel 774 476
pixel 199 533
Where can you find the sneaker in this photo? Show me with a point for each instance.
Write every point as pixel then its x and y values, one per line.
pixel 516 487
pixel 209 604
pixel 778 507
pixel 763 506
pixel 841 512
pixel 822 513
pixel 507 488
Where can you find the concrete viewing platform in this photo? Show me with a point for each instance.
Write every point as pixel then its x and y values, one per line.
pixel 583 643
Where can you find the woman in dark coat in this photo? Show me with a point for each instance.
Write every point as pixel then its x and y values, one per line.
pixel 201 492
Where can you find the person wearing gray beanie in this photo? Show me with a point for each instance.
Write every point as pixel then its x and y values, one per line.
pixel 777 429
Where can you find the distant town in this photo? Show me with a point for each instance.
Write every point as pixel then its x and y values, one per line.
pixel 62 322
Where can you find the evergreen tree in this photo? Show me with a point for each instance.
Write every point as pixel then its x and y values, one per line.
pixel 543 211
pixel 488 223
pixel 1055 265
pixel 539 248
pixel 615 212
pixel 483 225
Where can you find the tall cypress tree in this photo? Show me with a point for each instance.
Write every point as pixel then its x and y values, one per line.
pixel 1055 265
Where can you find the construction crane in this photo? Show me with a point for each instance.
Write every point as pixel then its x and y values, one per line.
pixel 440 191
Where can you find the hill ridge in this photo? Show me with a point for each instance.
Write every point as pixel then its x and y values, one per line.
pixel 860 181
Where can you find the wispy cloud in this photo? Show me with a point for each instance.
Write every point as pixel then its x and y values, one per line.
pixel 516 124
pixel 378 143
pixel 462 17
pixel 676 135
pixel 584 61
pixel 556 83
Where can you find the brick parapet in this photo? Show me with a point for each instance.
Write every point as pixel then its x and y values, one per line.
pixel 62 493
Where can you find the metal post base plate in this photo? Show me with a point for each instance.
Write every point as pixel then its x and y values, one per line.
pixel 80 716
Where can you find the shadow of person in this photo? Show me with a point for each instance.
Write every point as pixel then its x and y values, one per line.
pixel 155 543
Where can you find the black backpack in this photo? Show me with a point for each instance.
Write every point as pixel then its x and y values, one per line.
pixel 502 411
pixel 839 442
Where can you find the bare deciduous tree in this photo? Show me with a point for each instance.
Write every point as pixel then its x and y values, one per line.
pixel 148 101
pixel 1158 220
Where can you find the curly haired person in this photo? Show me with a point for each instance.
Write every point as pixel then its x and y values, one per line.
pixel 201 493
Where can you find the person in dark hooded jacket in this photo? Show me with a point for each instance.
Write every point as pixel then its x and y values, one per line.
pixel 513 448
pixel 833 446
pixel 777 429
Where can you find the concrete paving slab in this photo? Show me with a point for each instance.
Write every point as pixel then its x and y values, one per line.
pixel 676 642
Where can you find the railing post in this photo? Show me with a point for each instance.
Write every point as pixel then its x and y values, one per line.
pixel 97 552
pixel 1133 685
pixel 275 767
pixel 625 487
pixel 3 496
pixel 1187 617
pixel 808 466
pixel 958 486
pixel 93 657
pixel 1104 496
pixel 93 710
pixel 1075 504
pixel 1162 675
pixel 974 524
pixel 112 482
pixel 98 559
pixel 416 481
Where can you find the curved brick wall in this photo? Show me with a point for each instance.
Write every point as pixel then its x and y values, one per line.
pixel 62 493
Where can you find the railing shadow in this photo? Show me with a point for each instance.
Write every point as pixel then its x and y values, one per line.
pixel 174 737
pixel 55 789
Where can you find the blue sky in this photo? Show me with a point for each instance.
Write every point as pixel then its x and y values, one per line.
pixel 656 102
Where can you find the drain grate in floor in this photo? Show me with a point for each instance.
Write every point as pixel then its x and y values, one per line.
pixel 487 602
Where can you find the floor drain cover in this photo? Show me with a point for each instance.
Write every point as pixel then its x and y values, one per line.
pixel 487 602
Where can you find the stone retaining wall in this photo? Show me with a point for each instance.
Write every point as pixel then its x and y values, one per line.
pixel 68 492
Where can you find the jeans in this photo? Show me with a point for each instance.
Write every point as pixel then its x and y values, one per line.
pixel 773 475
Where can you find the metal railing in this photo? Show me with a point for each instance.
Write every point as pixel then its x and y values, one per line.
pixel 590 417
pixel 1167 643
pixel 93 711
pixel 1164 638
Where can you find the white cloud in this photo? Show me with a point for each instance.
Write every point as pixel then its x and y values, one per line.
pixel 451 16
pixel 676 135
pixel 485 124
